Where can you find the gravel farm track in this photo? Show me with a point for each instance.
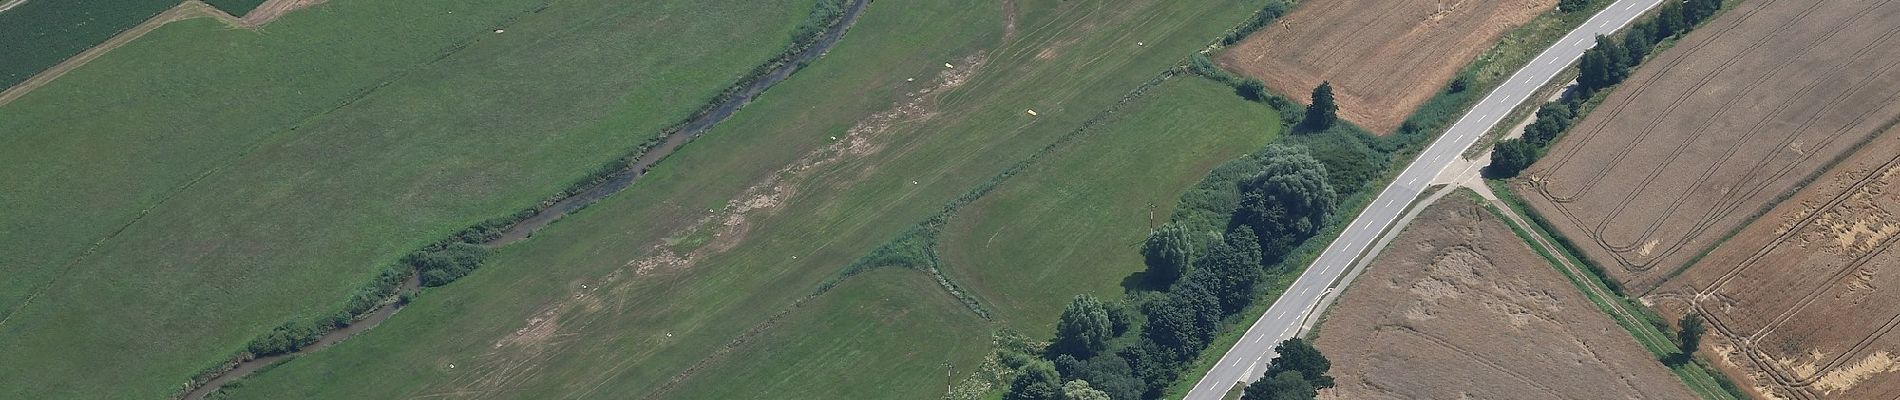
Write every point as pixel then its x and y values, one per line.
pixel 1457 295
pixel 1714 131
pixel 1382 65
pixel 256 19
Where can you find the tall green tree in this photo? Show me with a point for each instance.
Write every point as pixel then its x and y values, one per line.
pixel 1286 385
pixel 1670 20
pixel 1084 328
pixel 1168 252
pixel 1509 158
pixel 1233 269
pixel 1080 390
pixel 1689 339
pixel 1597 69
pixel 1037 380
pixel 1288 200
pixel 1323 112
pixel 1296 355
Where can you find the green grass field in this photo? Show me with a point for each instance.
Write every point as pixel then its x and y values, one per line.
pixel 1068 60
pixel 1074 223
pixel 879 318
pixel 40 33
pixel 272 172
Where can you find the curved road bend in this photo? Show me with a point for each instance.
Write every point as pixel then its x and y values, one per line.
pixel 1247 360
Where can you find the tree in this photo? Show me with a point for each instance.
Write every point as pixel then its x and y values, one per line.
pixel 1286 385
pixel 1296 355
pixel 1036 381
pixel 1080 390
pixel 1168 252
pixel 1232 270
pixel 1670 20
pixel 1697 11
pixel 1288 200
pixel 1619 61
pixel 1690 338
pixel 1323 112
pixel 1509 158
pixel 1598 69
pixel 1109 373
pixel 1182 322
pixel 1636 44
pixel 1251 89
pixel 1084 328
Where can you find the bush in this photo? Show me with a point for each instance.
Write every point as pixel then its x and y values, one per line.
pixel 284 339
pixel 448 263
pixel 1509 158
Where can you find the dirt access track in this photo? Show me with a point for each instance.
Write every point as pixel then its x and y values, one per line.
pixel 1708 135
pixel 1460 307
pixel 1384 58
pixel 1801 300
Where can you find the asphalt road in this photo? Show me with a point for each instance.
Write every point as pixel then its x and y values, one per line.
pixel 1247 360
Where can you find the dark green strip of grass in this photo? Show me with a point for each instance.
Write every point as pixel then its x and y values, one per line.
pixel 40 33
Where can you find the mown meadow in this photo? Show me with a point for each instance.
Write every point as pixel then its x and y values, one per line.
pixel 186 193
pixel 573 312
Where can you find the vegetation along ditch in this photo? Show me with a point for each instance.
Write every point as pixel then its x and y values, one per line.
pixel 450 258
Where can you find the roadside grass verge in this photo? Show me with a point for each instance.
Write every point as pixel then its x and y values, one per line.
pixel 236 180
pixel 1074 223
pixel 1644 325
pixel 645 331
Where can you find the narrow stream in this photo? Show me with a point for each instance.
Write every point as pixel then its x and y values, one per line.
pixel 613 184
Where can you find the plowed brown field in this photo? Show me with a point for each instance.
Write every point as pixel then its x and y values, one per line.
pixel 1460 307
pixel 1800 299
pixel 1712 132
pixel 1383 57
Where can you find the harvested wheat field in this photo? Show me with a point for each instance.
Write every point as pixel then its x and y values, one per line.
pixel 1460 307
pixel 1801 299
pixel 1384 58
pixel 1711 133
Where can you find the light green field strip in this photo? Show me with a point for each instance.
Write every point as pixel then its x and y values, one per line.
pixel 1067 60
pixel 1074 223
pixel 296 185
pixel 891 333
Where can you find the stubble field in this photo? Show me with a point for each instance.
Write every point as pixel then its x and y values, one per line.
pixel 1801 299
pixel 1460 307
pixel 1383 58
pixel 1713 131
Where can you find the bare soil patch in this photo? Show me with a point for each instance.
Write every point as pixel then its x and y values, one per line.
pixel 1705 137
pixel 1384 58
pixel 1800 299
pixel 1460 307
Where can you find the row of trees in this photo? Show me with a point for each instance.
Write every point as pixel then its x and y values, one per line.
pixel 1602 67
pixel 1297 372
pixel 1134 348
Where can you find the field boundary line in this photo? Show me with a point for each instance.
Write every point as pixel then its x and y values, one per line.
pixel 1693 374
pixel 269 11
